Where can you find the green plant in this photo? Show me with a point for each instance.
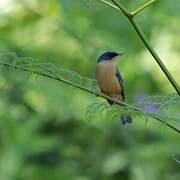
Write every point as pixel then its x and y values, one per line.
pixel 13 62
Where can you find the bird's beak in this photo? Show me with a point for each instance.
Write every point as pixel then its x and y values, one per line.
pixel 116 57
pixel 120 54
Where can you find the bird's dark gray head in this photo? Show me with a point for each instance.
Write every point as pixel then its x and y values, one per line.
pixel 108 56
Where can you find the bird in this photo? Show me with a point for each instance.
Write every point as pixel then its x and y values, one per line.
pixel 110 81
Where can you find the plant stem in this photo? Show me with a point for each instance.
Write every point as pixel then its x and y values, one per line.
pixel 87 90
pixel 142 7
pixel 130 16
pixel 109 4
pixel 155 55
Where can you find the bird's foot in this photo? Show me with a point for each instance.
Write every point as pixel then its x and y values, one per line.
pixel 116 99
pixel 97 93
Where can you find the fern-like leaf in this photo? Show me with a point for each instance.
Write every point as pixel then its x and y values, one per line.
pixel 166 108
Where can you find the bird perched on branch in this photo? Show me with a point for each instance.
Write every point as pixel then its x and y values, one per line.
pixel 110 80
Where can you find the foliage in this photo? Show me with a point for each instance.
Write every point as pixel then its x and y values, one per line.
pixel 27 64
pixel 161 107
pixel 44 131
pixel 75 80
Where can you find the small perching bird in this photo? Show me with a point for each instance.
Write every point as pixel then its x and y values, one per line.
pixel 110 80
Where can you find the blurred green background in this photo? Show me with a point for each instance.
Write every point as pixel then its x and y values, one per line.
pixel 44 133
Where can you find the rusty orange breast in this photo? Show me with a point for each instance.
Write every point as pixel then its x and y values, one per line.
pixel 106 77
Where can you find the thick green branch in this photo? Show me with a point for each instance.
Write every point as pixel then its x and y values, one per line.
pixel 130 16
pixel 87 90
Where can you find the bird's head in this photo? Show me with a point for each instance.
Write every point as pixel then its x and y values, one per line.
pixel 108 56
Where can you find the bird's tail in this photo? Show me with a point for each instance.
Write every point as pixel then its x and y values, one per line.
pixel 125 119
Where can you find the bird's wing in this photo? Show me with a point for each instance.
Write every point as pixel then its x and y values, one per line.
pixel 118 75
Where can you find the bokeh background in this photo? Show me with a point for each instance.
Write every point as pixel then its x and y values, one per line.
pixel 44 133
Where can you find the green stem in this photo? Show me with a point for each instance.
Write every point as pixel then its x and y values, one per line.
pixel 109 4
pixel 122 9
pixel 155 55
pixel 89 91
pixel 130 16
pixel 142 7
pixel 119 8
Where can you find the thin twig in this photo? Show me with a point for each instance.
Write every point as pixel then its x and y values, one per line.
pixel 120 7
pixel 109 4
pixel 142 7
pixel 87 90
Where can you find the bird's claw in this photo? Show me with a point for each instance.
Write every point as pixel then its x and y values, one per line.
pixel 116 99
pixel 97 93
